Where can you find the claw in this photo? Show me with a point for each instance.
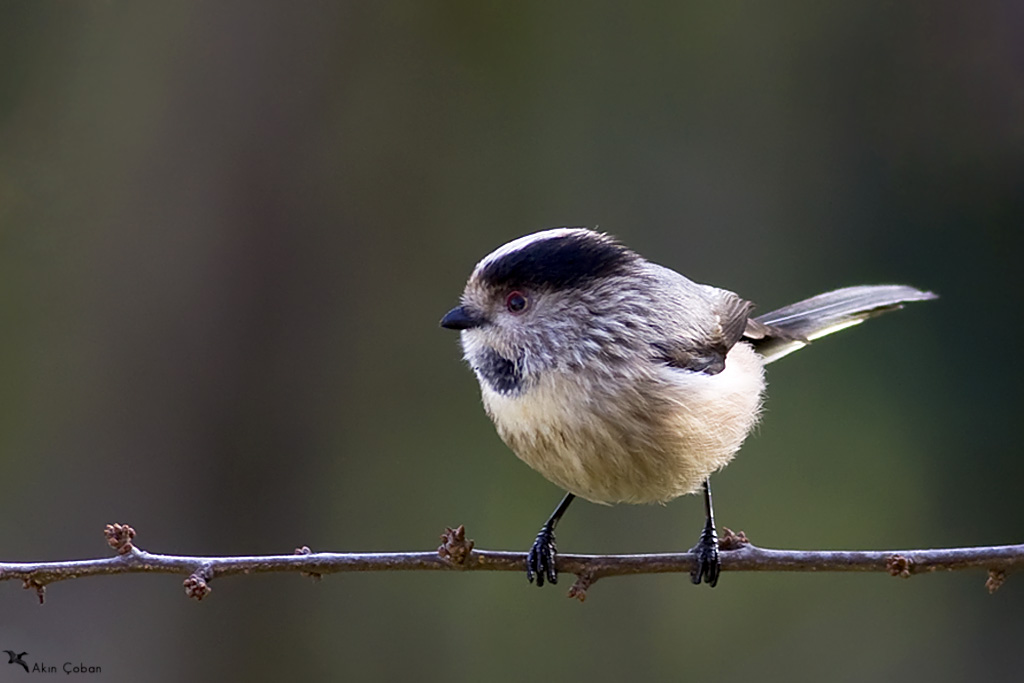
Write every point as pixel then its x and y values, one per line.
pixel 540 561
pixel 709 566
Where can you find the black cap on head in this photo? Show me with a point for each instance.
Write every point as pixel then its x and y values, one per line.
pixel 562 261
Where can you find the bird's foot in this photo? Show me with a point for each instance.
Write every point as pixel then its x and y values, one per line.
pixel 708 564
pixel 540 561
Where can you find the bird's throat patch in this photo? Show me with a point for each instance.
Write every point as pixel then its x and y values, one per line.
pixel 501 374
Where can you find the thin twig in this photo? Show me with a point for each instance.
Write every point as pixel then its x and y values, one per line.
pixel 458 554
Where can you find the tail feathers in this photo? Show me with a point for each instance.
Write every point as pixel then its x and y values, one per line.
pixel 792 327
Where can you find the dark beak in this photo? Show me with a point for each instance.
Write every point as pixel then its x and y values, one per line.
pixel 462 318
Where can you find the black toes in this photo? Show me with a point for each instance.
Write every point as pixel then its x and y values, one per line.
pixel 540 561
pixel 708 564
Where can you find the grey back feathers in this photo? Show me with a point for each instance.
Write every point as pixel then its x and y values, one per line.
pixel 792 327
pixel 703 348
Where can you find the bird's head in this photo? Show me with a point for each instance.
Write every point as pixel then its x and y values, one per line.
pixel 542 301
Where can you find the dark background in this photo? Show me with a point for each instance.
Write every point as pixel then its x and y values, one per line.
pixel 228 231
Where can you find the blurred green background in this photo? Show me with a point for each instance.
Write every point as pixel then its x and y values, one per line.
pixel 227 234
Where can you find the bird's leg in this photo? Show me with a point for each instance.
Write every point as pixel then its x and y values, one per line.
pixel 708 565
pixel 540 561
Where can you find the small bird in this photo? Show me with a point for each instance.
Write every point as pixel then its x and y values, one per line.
pixel 621 381
pixel 17 659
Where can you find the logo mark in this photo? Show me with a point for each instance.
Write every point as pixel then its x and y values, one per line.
pixel 17 659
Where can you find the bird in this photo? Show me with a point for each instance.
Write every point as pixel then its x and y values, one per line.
pixel 622 381
pixel 17 659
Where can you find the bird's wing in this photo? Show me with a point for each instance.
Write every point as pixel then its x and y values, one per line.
pixel 706 350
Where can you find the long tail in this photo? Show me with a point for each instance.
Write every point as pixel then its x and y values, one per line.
pixel 793 327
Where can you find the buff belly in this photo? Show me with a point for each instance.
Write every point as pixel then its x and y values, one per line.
pixel 633 439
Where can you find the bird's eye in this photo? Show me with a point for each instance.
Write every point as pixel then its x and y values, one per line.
pixel 516 302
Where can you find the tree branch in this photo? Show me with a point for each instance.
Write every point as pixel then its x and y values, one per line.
pixel 458 554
